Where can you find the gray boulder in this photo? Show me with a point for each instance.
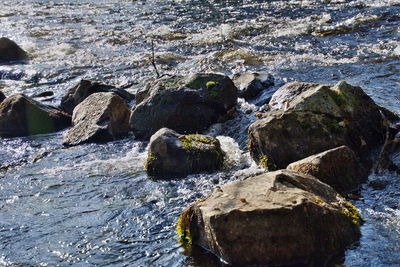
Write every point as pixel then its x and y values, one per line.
pixel 10 51
pixel 85 88
pixel 175 155
pixel 185 104
pixel 251 85
pixel 101 117
pixel 338 167
pixel 276 219
pixel 23 116
pixel 307 119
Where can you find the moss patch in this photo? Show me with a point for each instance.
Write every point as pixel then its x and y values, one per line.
pixel 266 163
pixel 339 97
pixel 351 211
pixel 183 229
pixel 211 87
pixel 150 165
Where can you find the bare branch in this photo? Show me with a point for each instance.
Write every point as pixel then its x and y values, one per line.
pixel 153 61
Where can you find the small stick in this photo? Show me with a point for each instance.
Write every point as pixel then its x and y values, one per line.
pixel 153 61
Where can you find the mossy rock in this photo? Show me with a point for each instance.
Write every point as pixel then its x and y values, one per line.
pixel 174 155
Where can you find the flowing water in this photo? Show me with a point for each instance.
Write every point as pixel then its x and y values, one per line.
pixel 93 204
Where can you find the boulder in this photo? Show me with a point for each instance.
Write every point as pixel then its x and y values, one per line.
pixel 275 219
pixel 251 85
pixel 185 104
pixel 175 155
pixel 2 97
pixel 22 116
pixel 307 119
pixel 10 51
pixel 101 117
pixel 85 88
pixel 338 167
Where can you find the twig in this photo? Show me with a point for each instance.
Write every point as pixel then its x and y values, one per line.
pixel 153 61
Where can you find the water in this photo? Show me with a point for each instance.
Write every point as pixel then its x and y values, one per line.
pixel 93 204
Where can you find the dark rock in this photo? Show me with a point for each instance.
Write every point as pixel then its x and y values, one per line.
pixel 84 88
pixel 175 155
pixel 2 97
pixel 101 117
pixel 390 115
pixel 10 51
pixel 276 219
pixel 378 184
pixel 43 94
pixel 22 116
pixel 307 119
pixel 338 167
pixel 251 85
pixel 185 104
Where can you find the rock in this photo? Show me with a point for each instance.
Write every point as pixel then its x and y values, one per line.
pixel 251 85
pixel 175 155
pixel 338 167
pixel 101 117
pixel 378 184
pixel 277 218
pixel 307 119
pixel 84 88
pixel 390 115
pixel 185 104
pixel 10 51
pixel 2 97
pixel 22 116
pixel 43 94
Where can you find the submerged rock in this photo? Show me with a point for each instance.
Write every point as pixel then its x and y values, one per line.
pixel 22 116
pixel 99 118
pixel 185 104
pixel 85 88
pixel 277 218
pixel 10 51
pixel 338 167
pixel 172 154
pixel 307 119
pixel 251 85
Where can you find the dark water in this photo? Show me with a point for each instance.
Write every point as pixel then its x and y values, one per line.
pixel 93 204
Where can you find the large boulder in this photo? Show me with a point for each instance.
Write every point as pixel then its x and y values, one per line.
pixel 251 85
pixel 101 117
pixel 23 116
pixel 307 119
pixel 10 51
pixel 174 155
pixel 338 167
pixel 275 219
pixel 185 104
pixel 85 88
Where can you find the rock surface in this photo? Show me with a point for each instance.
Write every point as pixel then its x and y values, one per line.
pixel 10 51
pixel 99 118
pixel 251 85
pixel 85 88
pixel 277 218
pixel 338 167
pixel 22 116
pixel 175 155
pixel 185 104
pixel 307 119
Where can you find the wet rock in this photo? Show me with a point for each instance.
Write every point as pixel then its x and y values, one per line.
pixel 22 116
pixel 275 219
pixel 101 117
pixel 43 94
pixel 10 51
pixel 175 155
pixel 2 97
pixel 251 85
pixel 338 167
pixel 307 119
pixel 185 104
pixel 378 184
pixel 391 116
pixel 85 88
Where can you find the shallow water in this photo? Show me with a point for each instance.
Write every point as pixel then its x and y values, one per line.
pixel 93 204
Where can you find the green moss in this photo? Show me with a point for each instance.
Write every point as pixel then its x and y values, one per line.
pixel 38 120
pixel 266 163
pixel 149 165
pixel 339 97
pixel 184 231
pixel 211 86
pixel 192 141
pixel 351 211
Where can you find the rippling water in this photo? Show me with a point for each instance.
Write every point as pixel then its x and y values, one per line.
pixel 93 204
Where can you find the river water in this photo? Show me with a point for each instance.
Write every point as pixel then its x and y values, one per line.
pixel 93 204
